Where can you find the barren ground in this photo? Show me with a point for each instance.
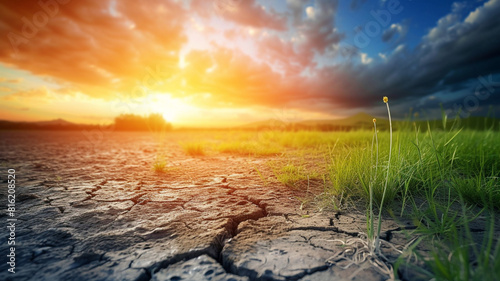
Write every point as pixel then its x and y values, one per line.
pixel 97 211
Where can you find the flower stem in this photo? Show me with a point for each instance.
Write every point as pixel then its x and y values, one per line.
pixel 371 230
pixel 377 241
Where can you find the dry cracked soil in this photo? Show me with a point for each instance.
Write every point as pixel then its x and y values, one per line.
pixel 95 210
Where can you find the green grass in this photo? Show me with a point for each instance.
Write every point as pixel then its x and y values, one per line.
pixel 249 148
pixel 194 148
pixel 438 176
pixel 435 176
pixel 290 174
pixel 160 166
pixel 455 254
pixel 438 164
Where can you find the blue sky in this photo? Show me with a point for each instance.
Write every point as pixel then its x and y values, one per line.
pixel 419 16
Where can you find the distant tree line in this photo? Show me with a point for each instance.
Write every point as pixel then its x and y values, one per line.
pixel 132 122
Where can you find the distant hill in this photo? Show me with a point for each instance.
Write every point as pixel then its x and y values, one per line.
pixel 357 121
pixel 362 121
pixel 56 122
pixel 270 123
pixel 124 122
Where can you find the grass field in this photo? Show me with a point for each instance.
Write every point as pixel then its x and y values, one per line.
pixel 440 178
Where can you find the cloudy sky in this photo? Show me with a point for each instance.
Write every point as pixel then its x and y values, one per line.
pixel 227 62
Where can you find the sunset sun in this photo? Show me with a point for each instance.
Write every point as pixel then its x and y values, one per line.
pixel 163 104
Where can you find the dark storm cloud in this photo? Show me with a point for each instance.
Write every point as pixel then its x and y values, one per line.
pixel 448 61
pixel 450 57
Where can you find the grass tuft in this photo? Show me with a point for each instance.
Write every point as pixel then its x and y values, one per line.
pixel 290 175
pixel 194 148
pixel 160 167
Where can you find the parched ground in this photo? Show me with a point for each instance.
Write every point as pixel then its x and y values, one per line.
pixel 95 210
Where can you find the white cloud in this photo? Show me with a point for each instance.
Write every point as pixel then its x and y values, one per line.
pixel 365 59
pixel 443 26
pixel 310 12
pixel 397 26
pixel 398 49
pixel 481 11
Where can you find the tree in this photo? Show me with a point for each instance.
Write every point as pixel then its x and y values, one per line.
pixel 132 122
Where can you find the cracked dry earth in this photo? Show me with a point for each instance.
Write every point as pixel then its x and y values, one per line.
pixel 96 211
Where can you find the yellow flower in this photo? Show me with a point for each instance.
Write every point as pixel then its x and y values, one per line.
pixel 386 99
pixel 374 120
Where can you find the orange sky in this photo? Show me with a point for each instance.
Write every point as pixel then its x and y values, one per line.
pixel 89 61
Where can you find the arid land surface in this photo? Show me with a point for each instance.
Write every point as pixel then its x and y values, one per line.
pixel 94 209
